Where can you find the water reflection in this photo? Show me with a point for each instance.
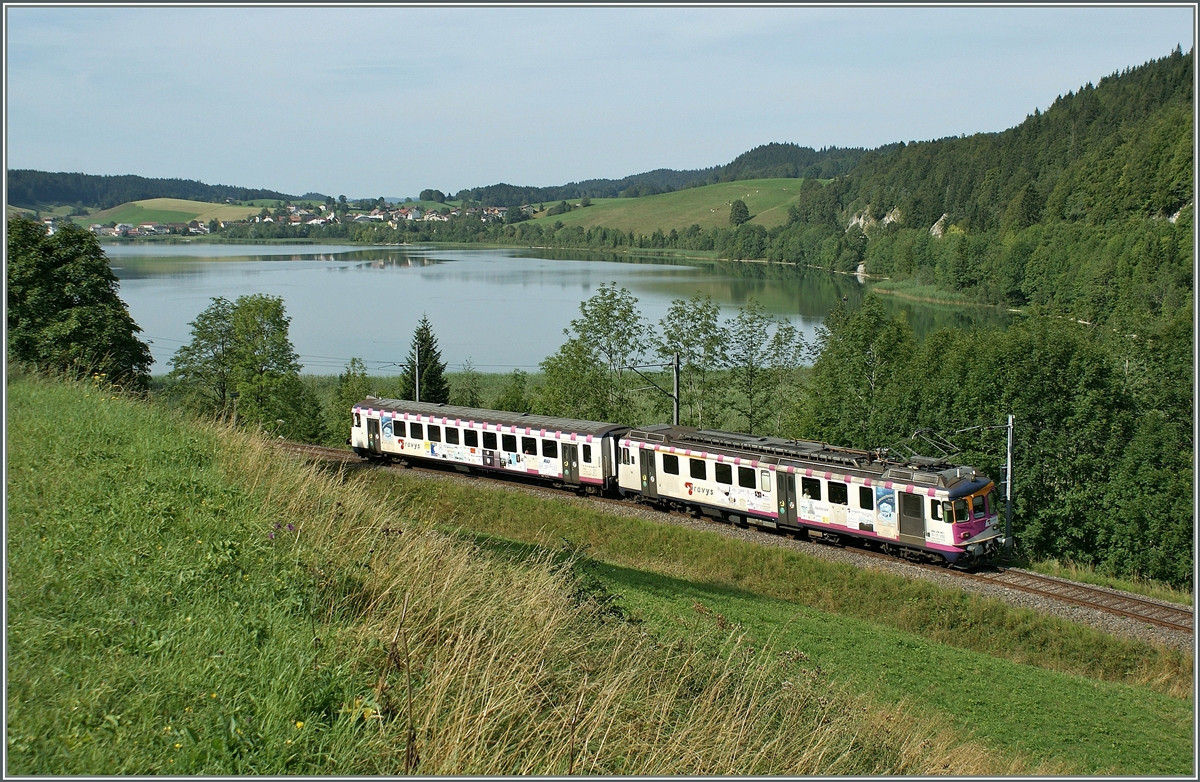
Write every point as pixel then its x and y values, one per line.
pixel 501 308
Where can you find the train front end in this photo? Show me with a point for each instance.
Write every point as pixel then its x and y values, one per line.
pixel 974 510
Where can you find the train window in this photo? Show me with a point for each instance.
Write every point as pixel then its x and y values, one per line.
pixel 993 505
pixel 414 431
pixel 624 456
pixel 935 510
pixel 948 512
pixel 670 464
pixel 698 469
pixel 746 477
pixel 960 511
pixel 357 420
pixel 724 474
pixel 509 441
pixel 977 505
pixel 435 434
pixel 489 441
pixel 550 448
pixel 471 438
pixel 866 498
pixel 839 493
pixel 529 446
pixel 587 454
pixel 451 435
pixel 810 488
pixel 765 476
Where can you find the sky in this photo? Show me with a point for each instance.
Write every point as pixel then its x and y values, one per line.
pixel 387 101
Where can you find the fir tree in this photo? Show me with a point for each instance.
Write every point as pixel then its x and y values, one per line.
pixel 434 387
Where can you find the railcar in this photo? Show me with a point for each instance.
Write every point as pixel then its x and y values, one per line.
pixel 562 451
pixel 917 507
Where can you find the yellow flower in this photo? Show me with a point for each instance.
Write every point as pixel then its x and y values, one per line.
pixel 289 741
pixel 177 746
pixel 213 695
pixel 299 724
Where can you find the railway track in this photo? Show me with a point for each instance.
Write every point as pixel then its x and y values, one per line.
pixel 1174 617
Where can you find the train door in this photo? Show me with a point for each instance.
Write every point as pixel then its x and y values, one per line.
pixel 912 519
pixel 787 498
pixel 570 463
pixel 373 436
pixel 649 479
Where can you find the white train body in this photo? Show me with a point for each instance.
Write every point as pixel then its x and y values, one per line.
pixel 927 505
pixel 561 450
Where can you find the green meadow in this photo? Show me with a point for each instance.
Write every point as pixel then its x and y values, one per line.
pixel 171 210
pixel 708 206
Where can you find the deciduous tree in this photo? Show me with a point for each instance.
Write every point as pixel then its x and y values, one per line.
pixel 692 330
pixel 63 309
pixel 738 213
pixel 203 368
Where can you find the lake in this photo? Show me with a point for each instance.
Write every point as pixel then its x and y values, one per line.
pixel 500 308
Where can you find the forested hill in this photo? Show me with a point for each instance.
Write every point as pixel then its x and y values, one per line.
pixel 769 161
pixel 1120 148
pixel 31 189
pixel 1084 210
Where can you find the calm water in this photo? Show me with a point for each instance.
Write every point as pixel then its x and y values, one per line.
pixel 501 309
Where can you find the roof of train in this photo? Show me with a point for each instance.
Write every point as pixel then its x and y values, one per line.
pixel 549 423
pixel 919 469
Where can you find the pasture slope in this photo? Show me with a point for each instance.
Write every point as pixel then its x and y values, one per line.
pixel 182 599
pixel 169 210
pixel 708 207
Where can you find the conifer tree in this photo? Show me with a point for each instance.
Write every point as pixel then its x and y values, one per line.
pixel 434 387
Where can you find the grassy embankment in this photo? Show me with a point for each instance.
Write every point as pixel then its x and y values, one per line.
pixel 182 599
pixel 708 206
pixel 1020 681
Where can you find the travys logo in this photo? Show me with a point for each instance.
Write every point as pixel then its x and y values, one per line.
pixel 701 490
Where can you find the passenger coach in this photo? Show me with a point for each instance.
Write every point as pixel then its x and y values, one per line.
pixel 558 450
pixel 925 505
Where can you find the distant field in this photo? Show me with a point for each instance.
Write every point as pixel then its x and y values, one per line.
pixel 706 206
pixel 171 210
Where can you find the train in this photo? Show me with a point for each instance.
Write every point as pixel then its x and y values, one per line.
pixel 923 508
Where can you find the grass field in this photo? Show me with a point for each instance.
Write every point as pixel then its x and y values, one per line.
pixel 1018 681
pixel 183 600
pixel 170 210
pixel 706 206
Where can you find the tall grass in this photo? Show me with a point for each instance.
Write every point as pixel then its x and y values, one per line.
pixel 944 615
pixel 182 600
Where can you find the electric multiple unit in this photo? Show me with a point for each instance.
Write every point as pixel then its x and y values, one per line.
pixel 922 505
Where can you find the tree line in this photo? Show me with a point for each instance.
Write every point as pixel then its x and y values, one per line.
pixel 31 188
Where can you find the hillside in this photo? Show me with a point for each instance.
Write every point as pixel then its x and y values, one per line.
pixel 170 210
pixel 183 598
pixel 1084 210
pixel 35 189
pixel 769 161
pixel 706 206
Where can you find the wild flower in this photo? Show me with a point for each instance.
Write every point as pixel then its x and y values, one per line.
pixel 290 528
pixel 270 536
pixel 299 724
